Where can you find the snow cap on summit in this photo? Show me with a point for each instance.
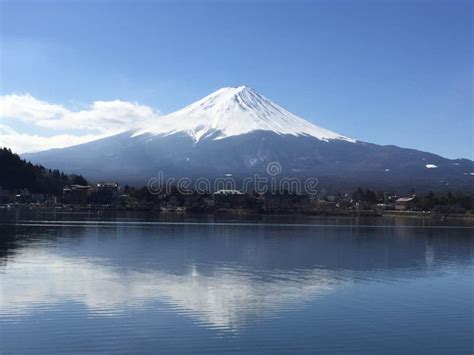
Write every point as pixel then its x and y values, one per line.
pixel 233 111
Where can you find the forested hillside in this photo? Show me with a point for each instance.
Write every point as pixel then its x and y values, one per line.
pixel 16 173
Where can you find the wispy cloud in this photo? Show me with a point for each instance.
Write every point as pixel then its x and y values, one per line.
pixel 100 119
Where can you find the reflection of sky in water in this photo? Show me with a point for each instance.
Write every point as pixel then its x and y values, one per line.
pixel 261 283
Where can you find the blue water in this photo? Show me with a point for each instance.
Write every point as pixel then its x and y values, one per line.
pixel 81 282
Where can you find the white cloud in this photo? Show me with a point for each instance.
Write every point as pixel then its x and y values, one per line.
pixel 23 142
pixel 101 119
pixel 29 109
pixel 103 116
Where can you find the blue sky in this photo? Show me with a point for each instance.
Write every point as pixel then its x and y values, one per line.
pixel 388 72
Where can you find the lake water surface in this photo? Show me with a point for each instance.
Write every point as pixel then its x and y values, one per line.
pixel 131 283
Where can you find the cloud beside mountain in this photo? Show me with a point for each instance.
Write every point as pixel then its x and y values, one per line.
pixel 66 127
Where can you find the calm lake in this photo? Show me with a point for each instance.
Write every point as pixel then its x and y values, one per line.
pixel 136 283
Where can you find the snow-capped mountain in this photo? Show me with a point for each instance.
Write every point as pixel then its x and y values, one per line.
pixel 237 131
pixel 233 111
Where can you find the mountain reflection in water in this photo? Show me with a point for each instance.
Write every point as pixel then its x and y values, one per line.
pixel 224 277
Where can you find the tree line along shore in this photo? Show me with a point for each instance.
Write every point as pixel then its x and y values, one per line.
pixel 25 184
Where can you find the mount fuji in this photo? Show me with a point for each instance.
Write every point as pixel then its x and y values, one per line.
pixel 237 131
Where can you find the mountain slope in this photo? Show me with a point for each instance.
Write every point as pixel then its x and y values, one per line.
pixel 237 131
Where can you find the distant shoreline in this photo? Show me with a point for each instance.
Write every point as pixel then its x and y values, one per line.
pixel 466 217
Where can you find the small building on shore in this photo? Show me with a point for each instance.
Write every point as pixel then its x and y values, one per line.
pixel 227 192
pixel 228 198
pixel 105 193
pixel 77 194
pixel 404 203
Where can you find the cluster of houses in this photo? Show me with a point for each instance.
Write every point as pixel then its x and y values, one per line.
pixel 101 193
pixel 24 196
pixel 109 193
pixel 390 201
pixel 235 198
